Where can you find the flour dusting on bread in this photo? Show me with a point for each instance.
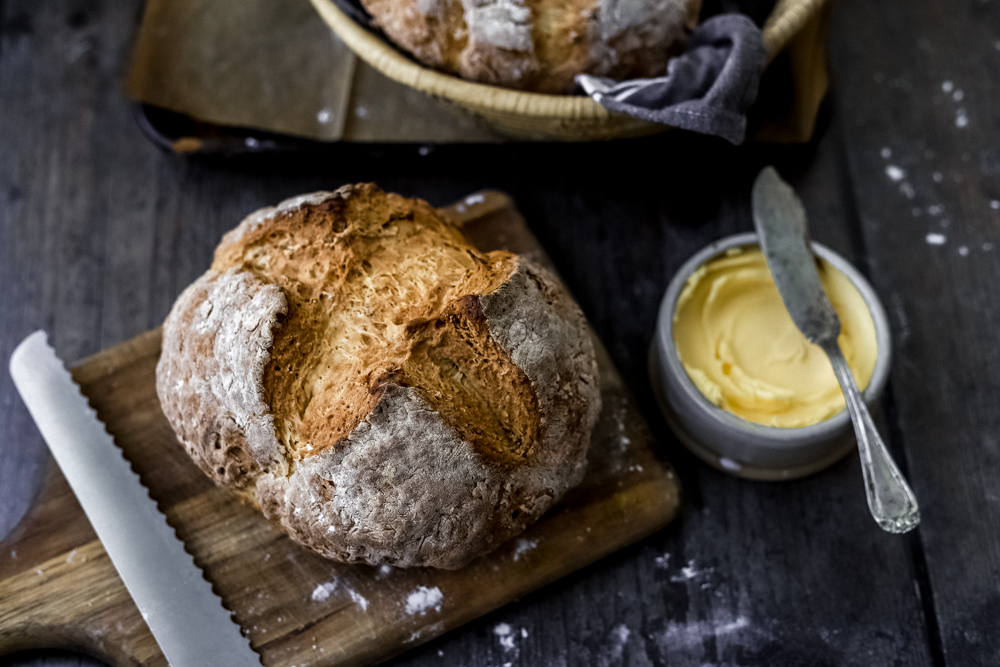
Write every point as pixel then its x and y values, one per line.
pixel 539 45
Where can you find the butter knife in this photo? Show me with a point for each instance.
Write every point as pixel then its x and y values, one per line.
pixel 780 220
pixel 186 618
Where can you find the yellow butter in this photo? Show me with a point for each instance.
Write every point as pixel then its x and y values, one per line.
pixel 741 349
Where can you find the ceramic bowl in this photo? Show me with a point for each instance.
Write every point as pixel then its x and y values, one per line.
pixel 731 443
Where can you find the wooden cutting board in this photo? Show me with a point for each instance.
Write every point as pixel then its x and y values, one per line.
pixel 58 587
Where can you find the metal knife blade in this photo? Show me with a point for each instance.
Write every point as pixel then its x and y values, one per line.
pixel 780 220
pixel 187 619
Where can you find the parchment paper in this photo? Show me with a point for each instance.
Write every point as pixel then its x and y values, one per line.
pixel 274 65
pixel 266 64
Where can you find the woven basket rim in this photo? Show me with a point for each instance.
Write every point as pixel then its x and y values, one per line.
pixel 787 18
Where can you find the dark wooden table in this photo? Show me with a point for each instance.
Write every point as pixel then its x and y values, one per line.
pixel 99 231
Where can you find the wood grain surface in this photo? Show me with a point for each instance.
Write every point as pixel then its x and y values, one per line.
pixel 100 232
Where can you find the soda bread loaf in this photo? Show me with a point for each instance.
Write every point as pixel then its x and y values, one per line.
pixel 375 385
pixel 539 45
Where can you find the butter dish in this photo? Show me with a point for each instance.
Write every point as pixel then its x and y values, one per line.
pixel 734 444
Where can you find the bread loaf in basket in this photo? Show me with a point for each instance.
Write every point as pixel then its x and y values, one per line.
pixel 539 45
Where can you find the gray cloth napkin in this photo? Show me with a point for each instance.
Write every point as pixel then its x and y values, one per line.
pixel 707 89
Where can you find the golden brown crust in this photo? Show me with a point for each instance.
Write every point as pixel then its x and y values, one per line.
pixel 381 389
pixel 539 45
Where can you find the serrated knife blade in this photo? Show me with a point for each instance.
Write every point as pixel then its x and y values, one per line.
pixel 185 616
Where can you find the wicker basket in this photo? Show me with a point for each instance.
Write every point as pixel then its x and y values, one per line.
pixel 535 115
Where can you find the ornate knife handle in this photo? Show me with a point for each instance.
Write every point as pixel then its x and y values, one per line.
pixel 890 498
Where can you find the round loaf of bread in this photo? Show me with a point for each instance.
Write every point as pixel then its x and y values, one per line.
pixel 379 388
pixel 539 45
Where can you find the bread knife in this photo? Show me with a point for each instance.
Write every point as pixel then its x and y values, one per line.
pixel 186 618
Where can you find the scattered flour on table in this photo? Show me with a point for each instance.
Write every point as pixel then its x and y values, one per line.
pixel 506 635
pixel 895 173
pixel 693 635
pixel 69 558
pixel 423 599
pixel 623 440
pixel 936 239
pixel 384 571
pixel 662 562
pixel 995 204
pixel 689 572
pixel 358 599
pixel 961 118
pixel 472 200
pixel 322 591
pixel 523 547
pixel 886 153
pixel 947 86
